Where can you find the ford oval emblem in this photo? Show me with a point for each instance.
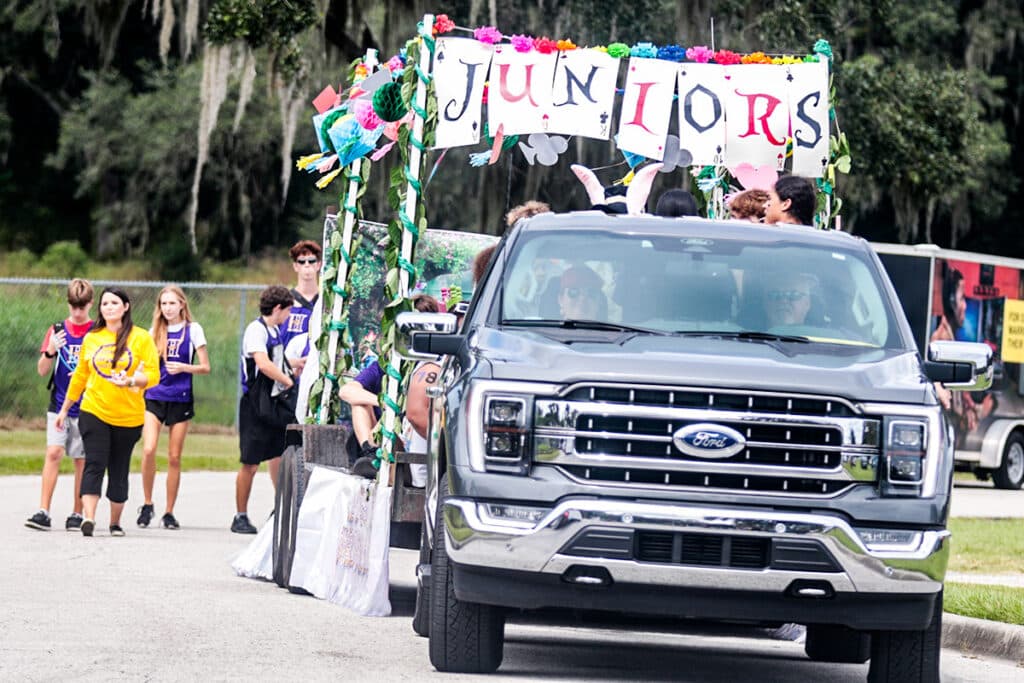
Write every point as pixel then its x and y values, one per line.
pixel 706 440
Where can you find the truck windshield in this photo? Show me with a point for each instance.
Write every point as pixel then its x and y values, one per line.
pixel 688 286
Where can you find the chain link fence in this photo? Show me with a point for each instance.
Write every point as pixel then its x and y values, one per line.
pixel 32 305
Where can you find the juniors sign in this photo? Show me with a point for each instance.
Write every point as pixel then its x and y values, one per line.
pixel 724 114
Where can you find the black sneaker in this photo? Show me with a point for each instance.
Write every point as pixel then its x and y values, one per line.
pixel 145 515
pixel 364 467
pixel 74 522
pixel 169 521
pixel 40 520
pixel 116 530
pixel 241 524
pixel 87 526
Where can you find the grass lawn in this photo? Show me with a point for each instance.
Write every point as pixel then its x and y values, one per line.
pixel 987 546
pixel 22 452
pixel 995 603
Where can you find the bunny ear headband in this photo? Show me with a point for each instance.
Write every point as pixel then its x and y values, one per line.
pixel 611 199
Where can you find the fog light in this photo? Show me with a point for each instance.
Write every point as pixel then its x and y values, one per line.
pixel 905 468
pixel 889 539
pixel 517 516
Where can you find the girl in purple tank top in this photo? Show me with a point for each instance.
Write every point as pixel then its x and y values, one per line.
pixel 180 341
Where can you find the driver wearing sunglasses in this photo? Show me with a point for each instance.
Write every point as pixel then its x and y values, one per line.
pixel 580 295
pixel 788 299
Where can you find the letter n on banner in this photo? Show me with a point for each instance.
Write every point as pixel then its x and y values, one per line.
pixel 702 89
pixel 519 90
pixel 584 94
pixel 808 117
pixel 460 71
pixel 757 110
pixel 647 106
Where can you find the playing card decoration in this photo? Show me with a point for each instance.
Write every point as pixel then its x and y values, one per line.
pixel 543 149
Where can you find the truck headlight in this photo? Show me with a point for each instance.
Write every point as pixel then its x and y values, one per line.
pixel 906 447
pixel 507 433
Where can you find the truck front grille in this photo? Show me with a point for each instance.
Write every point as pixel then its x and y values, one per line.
pixel 794 445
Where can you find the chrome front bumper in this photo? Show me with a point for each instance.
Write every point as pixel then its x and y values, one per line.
pixel 477 539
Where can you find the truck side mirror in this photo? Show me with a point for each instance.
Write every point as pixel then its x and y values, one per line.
pixel 425 336
pixel 960 366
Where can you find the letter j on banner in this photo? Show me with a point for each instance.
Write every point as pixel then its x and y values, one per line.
pixel 460 70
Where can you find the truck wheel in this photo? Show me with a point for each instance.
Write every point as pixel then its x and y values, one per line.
pixel 421 613
pixel 282 519
pixel 1010 473
pixel 464 637
pixel 907 656
pixel 833 643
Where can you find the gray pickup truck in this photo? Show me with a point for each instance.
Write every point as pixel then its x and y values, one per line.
pixel 714 420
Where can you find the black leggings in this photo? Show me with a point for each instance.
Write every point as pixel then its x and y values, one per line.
pixel 107 449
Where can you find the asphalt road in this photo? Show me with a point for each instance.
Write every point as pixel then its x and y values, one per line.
pixel 165 605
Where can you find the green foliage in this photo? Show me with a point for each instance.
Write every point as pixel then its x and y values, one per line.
pixel 995 603
pixel 64 259
pixel 176 263
pixel 273 24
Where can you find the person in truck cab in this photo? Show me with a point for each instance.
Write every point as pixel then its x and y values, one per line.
pixel 580 295
pixel 787 299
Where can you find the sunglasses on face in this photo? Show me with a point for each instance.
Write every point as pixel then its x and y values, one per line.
pixel 578 293
pixel 787 295
pixel 307 261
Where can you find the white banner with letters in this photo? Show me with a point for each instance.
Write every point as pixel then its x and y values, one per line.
pixel 519 90
pixel 583 98
pixel 460 72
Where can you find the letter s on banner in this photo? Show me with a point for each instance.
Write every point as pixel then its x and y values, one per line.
pixel 808 113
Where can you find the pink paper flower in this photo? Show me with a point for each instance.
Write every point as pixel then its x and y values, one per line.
pixel 727 57
pixel 545 45
pixel 487 34
pixel 365 115
pixel 699 53
pixel 396 64
pixel 522 43
pixel 442 24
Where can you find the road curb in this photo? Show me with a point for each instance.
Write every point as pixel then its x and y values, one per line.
pixel 983 637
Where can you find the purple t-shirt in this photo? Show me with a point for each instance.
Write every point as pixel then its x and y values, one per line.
pixel 372 379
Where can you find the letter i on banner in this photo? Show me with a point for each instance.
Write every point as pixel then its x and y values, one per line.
pixel 647 106
pixel 519 90
pixel 808 116
pixel 758 114
pixel 584 94
pixel 460 71
pixel 702 89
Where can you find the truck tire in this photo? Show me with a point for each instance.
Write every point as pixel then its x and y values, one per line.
pixel 834 643
pixel 907 656
pixel 1010 473
pixel 465 637
pixel 281 546
pixel 421 612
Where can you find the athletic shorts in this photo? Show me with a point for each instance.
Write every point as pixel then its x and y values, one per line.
pixel 69 438
pixel 257 440
pixel 171 412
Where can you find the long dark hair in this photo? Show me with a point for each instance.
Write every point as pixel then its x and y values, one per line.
pixel 126 322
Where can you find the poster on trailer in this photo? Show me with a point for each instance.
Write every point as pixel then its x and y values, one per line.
pixel 968 303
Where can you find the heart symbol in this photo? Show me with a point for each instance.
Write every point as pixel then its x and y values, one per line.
pixel 751 178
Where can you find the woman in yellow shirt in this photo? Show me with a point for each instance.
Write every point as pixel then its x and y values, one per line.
pixel 117 362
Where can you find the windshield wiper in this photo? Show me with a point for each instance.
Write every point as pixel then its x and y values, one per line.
pixel 573 324
pixel 752 336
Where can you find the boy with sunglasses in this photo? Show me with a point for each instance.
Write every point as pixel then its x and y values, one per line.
pixel 306 256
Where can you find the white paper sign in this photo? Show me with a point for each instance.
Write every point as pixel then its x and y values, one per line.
pixel 583 98
pixel 647 106
pixel 702 112
pixel 519 94
pixel 757 116
pixel 460 71
pixel 808 116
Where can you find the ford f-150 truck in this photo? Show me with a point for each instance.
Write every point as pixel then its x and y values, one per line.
pixel 703 419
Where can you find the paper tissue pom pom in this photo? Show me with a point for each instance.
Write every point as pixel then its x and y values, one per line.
pixel 644 50
pixel 396 63
pixel 672 53
pixel 367 118
pixel 522 43
pixel 756 58
pixel 726 57
pixel 487 34
pixel 387 102
pixel 565 45
pixel 442 24
pixel 700 54
pixel 545 45
pixel 822 47
pixel 618 50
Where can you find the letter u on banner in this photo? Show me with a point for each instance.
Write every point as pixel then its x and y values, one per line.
pixel 808 116
pixel 702 89
pixel 519 90
pixel 647 106
pixel 584 94
pixel 460 70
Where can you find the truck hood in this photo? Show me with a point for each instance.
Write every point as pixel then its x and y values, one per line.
pixel 564 357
